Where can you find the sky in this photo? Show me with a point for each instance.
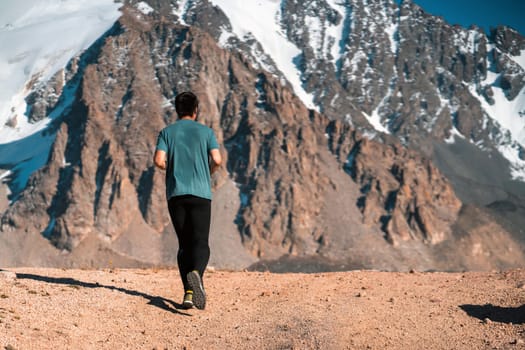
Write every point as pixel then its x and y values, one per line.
pixel 484 13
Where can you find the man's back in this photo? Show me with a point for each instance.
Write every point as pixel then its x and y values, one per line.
pixel 187 145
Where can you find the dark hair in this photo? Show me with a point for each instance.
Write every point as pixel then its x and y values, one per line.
pixel 186 103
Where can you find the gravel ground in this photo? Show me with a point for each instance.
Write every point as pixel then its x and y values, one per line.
pixel 139 309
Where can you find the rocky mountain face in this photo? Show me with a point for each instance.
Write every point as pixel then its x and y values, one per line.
pixel 366 181
pixel 414 70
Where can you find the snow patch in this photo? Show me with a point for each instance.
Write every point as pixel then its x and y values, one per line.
pixel 5 174
pixel 225 37
pixel 325 37
pixel 332 102
pixel 336 32
pixel 261 20
pixel 517 165
pixel 315 31
pixel 520 59
pixel 166 103
pixel 375 118
pixel 467 42
pixel 145 8
pixel 375 121
pixel 453 134
pixel 181 9
pixel 509 114
pixel 391 31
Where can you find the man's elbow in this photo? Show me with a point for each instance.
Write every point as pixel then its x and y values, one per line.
pixel 160 160
pixel 215 161
pixel 160 165
pixel 216 157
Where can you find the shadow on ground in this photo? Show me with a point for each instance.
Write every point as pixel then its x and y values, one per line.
pixel 160 302
pixel 514 315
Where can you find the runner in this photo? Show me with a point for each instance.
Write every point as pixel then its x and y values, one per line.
pixel 189 153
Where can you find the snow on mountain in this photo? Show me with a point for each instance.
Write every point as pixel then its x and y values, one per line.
pixel 38 38
pixel 375 121
pixel 179 11
pixel 391 31
pixel 509 114
pixel 336 32
pixel 467 41
pixel 261 20
pixel 326 35
pixel 145 8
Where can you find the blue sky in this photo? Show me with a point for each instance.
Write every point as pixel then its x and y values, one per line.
pixel 484 13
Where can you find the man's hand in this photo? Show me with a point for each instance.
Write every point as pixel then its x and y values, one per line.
pixel 160 159
pixel 216 160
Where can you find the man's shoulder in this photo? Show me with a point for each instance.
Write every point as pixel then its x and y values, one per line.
pixel 168 127
pixel 184 125
pixel 203 128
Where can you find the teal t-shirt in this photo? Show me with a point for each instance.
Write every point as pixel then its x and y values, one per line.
pixel 187 144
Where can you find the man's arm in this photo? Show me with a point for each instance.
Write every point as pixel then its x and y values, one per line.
pixel 160 159
pixel 216 160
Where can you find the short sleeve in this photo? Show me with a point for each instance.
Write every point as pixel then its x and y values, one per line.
pixel 162 145
pixel 212 144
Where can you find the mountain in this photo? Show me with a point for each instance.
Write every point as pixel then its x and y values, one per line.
pixel 357 134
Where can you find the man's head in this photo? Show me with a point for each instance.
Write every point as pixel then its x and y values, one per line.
pixel 186 104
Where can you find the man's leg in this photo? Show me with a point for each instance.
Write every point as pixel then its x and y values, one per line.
pixel 179 214
pixel 200 215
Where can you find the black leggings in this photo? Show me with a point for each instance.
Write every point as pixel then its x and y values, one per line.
pixel 190 216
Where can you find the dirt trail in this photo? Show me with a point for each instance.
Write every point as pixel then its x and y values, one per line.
pixel 138 309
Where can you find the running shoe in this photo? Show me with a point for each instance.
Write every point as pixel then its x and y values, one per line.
pixel 199 296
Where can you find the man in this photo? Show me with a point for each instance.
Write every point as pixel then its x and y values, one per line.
pixel 189 153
